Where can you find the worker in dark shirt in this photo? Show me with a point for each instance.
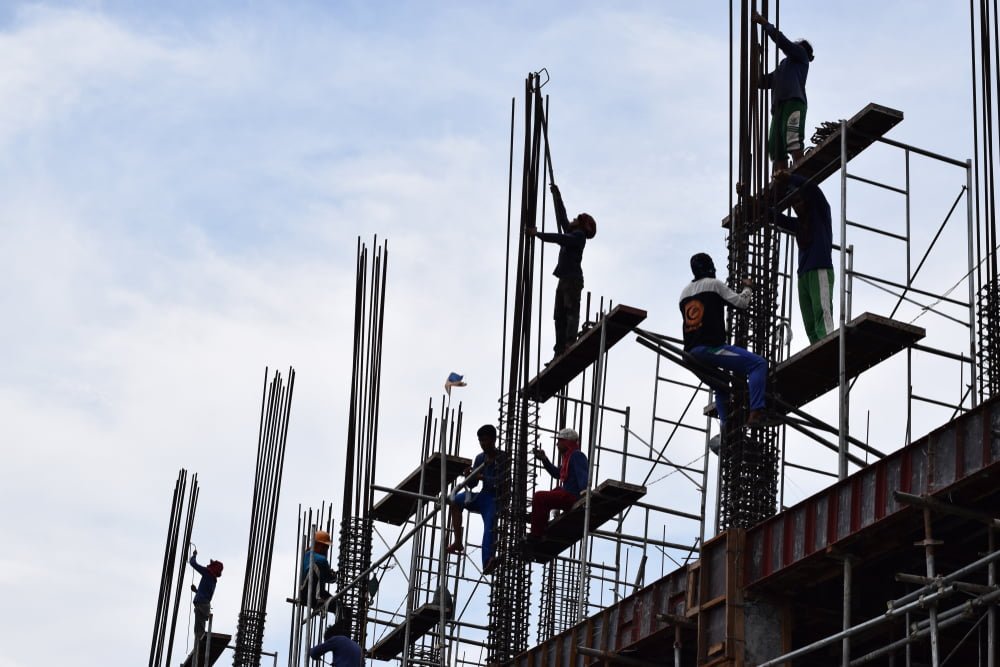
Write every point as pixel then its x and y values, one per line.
pixel 203 594
pixel 487 467
pixel 572 474
pixel 702 305
pixel 337 641
pixel 572 238
pixel 813 230
pixel 316 572
pixel 788 96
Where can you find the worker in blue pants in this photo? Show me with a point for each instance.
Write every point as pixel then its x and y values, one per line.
pixel 702 305
pixel 489 465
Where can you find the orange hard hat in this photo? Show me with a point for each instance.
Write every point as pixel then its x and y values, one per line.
pixel 323 537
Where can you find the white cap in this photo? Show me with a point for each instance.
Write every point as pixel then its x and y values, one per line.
pixel 568 434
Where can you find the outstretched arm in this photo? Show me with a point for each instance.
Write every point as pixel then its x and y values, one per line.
pixel 740 300
pixel 200 569
pixel 562 220
pixel 787 46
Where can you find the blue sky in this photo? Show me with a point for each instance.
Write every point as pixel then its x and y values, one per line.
pixel 183 187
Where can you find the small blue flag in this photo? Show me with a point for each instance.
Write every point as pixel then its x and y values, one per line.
pixel 454 380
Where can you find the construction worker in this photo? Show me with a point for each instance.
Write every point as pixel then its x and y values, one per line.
pixel 338 643
pixel 316 571
pixel 491 463
pixel 813 229
pixel 702 305
pixel 572 475
pixel 203 594
pixel 788 96
pixel 572 238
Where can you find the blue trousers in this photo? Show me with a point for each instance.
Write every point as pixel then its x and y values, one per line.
pixel 485 505
pixel 738 360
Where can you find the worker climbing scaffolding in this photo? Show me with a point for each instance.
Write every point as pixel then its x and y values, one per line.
pixel 316 573
pixel 487 467
pixel 813 230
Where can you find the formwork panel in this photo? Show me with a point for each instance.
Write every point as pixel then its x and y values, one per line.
pixel 964 451
pixel 869 480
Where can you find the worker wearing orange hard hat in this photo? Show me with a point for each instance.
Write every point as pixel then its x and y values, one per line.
pixel 316 571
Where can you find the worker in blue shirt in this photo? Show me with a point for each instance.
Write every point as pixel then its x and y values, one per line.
pixel 813 230
pixel 344 651
pixel 788 96
pixel 490 464
pixel 316 571
pixel 203 594
pixel 572 474
pixel 572 238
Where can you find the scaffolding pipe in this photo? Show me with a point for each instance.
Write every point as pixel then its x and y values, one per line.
pixel 861 627
pixel 842 334
pixel 946 580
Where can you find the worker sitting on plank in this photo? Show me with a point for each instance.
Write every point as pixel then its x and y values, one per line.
pixel 572 474
pixel 316 572
pixel 702 305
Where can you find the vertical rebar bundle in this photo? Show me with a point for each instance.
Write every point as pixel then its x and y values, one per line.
pixel 355 554
pixel 984 40
pixel 511 590
pixel 276 407
pixel 560 603
pixel 163 638
pixel 749 461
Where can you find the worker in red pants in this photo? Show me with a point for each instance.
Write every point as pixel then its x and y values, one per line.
pixel 572 475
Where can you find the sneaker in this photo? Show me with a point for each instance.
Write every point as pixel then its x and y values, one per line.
pixel 455 548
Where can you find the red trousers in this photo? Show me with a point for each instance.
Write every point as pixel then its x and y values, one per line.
pixel 543 502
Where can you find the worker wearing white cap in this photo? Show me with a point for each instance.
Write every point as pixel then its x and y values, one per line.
pixel 572 476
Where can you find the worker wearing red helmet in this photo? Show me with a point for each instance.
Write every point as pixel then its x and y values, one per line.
pixel 572 238
pixel 203 594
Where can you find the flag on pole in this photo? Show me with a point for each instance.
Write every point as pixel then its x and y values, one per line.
pixel 454 380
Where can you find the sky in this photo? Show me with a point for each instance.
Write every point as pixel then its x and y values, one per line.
pixel 184 186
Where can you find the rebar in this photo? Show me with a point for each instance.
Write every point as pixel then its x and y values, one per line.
pixel 276 405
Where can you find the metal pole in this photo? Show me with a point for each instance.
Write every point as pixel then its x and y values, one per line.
pixel 991 618
pixel 929 556
pixel 442 556
pixel 842 337
pixel 859 628
pixel 845 643
pixel 581 611
pixel 425 451
pixel 972 289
